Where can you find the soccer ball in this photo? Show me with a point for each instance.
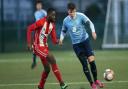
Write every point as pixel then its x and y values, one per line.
pixel 109 75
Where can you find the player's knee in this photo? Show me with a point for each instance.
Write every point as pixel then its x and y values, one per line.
pixel 84 63
pixel 47 69
pixel 51 59
pixel 91 58
pixel 82 59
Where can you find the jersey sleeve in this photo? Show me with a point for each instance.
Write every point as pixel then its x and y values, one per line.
pixel 33 27
pixel 53 35
pixel 29 31
pixel 85 19
pixel 63 31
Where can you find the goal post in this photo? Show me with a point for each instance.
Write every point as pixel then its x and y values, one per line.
pixel 116 25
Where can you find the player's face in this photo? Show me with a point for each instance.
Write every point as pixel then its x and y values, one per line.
pixel 72 13
pixel 38 6
pixel 52 16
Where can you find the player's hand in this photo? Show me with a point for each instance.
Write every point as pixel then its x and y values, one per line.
pixel 94 35
pixel 33 65
pixel 60 42
pixel 57 42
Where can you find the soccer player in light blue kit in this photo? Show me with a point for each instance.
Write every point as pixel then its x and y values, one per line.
pixel 39 13
pixel 75 24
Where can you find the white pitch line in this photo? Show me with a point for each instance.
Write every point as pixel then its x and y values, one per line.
pixel 70 83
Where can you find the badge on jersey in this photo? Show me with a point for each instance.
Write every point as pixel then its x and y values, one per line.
pixel 73 29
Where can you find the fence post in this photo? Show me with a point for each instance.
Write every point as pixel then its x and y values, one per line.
pixel 2 27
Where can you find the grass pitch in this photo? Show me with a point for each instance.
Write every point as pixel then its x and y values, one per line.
pixel 15 71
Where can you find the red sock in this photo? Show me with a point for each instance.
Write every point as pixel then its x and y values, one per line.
pixel 43 79
pixel 57 73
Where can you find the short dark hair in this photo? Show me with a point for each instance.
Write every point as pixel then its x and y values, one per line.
pixel 50 10
pixel 38 1
pixel 71 6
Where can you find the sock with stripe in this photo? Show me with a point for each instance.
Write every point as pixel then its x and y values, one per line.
pixel 43 79
pixel 57 73
pixel 93 70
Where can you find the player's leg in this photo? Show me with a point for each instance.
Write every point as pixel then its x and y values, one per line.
pixel 39 50
pixel 56 70
pixel 91 59
pixel 45 73
pixel 80 52
pixel 93 67
pixel 33 61
pixel 86 71
pixel 33 65
pixel 94 71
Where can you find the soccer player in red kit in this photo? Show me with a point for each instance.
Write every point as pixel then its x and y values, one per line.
pixel 42 29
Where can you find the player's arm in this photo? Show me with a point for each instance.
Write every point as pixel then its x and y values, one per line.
pixel 91 26
pixel 31 28
pixel 29 36
pixel 53 35
pixel 62 34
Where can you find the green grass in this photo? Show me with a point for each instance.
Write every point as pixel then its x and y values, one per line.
pixel 15 69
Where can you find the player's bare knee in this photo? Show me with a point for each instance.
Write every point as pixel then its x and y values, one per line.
pixel 91 58
pixel 51 59
pixel 47 69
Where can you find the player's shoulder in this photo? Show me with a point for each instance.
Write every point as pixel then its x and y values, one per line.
pixel 80 14
pixel 40 11
pixel 43 10
pixel 35 12
pixel 66 19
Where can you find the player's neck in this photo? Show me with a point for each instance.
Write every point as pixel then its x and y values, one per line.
pixel 48 20
pixel 73 17
pixel 39 9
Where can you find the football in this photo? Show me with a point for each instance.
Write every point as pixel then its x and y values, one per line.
pixel 108 75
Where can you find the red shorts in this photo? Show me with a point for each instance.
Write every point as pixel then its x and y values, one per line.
pixel 42 52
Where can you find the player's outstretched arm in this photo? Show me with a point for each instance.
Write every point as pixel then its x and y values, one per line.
pixel 29 40
pixel 62 34
pixel 86 20
pixel 94 35
pixel 31 28
pixel 93 30
pixel 53 36
pixel 91 25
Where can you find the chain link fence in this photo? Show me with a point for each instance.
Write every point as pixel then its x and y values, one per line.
pixel 16 15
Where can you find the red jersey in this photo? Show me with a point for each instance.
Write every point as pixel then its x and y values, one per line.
pixel 42 29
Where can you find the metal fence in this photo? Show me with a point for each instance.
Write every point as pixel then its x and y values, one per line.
pixel 15 15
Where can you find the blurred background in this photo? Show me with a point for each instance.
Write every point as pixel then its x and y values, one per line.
pixel 16 15
pixel 110 18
